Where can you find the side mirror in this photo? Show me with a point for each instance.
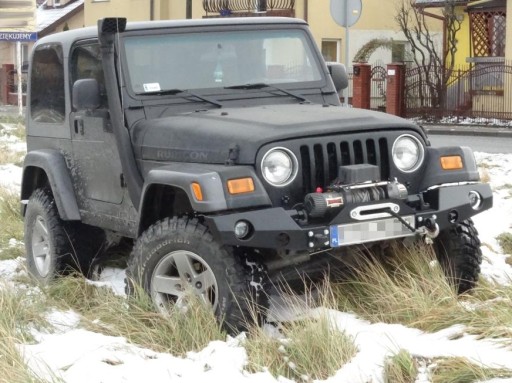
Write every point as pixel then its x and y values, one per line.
pixel 86 94
pixel 339 75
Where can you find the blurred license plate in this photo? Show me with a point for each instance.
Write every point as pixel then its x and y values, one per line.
pixel 361 232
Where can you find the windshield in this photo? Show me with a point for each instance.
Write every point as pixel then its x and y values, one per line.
pixel 218 59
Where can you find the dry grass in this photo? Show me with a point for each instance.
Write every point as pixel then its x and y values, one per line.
pixel 12 225
pixel 307 348
pixel 8 156
pixel 18 312
pixel 485 177
pixel 407 286
pixel 505 241
pixel 410 288
pixel 17 122
pixel 461 370
pixel 177 333
pixel 400 368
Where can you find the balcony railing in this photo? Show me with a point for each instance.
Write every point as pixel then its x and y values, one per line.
pixel 229 7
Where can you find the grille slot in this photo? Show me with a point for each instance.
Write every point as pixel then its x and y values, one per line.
pixel 320 161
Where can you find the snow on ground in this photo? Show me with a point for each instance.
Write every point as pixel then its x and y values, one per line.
pixel 77 355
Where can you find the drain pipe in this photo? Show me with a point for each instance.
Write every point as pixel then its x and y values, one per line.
pixel 108 29
pixel 151 9
pixel 306 6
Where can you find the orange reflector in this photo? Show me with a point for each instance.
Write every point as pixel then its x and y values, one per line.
pixel 198 193
pixel 241 185
pixel 451 162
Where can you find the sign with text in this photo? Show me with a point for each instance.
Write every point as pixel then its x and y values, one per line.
pixel 18 36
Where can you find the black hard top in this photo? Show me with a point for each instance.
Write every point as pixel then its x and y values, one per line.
pixel 69 37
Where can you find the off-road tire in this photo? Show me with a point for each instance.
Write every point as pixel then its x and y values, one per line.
pixel 173 235
pixel 458 251
pixel 62 246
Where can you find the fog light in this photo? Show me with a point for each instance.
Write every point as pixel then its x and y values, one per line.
pixel 242 229
pixel 475 200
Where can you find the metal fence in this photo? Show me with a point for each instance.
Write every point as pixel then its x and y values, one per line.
pixel 473 90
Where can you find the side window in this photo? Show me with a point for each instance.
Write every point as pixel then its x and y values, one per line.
pixel 86 63
pixel 47 101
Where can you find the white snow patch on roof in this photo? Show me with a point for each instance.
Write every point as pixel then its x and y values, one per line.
pixel 48 16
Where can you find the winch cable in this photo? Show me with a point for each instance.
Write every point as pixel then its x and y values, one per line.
pixel 403 221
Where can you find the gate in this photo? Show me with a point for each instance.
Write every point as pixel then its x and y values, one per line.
pixel 378 88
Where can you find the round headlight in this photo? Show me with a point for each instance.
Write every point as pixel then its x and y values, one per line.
pixel 279 166
pixel 408 153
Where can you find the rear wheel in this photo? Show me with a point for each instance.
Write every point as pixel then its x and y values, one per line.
pixel 458 251
pixel 178 256
pixel 53 246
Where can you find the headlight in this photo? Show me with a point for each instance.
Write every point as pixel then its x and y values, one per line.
pixel 408 153
pixel 279 166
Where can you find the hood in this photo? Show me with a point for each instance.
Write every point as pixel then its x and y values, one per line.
pixel 207 136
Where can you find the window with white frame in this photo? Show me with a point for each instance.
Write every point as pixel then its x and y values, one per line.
pixel 331 49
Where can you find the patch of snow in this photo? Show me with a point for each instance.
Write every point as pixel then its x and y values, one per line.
pixel 10 177
pixel 63 321
pixel 113 278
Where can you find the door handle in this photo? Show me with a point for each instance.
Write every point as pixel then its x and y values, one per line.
pixel 79 126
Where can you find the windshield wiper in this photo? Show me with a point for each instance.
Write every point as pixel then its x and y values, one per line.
pixel 180 91
pixel 261 85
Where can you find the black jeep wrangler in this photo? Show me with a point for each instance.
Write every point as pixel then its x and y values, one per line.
pixel 218 153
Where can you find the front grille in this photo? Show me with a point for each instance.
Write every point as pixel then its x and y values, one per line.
pixel 320 161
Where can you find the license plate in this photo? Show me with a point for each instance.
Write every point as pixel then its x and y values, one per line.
pixel 369 231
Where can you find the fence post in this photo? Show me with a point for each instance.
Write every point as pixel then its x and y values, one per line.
pixel 362 78
pixel 395 89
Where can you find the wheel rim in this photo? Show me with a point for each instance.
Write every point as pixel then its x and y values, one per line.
pixel 41 247
pixel 177 275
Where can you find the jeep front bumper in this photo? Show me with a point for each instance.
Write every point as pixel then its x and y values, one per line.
pixel 277 228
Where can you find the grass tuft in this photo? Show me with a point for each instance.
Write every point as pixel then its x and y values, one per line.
pixel 307 349
pixel 19 312
pixel 8 156
pixel 18 123
pixel 461 370
pixel 11 229
pixel 485 177
pixel 505 241
pixel 135 319
pixel 400 368
pixel 406 285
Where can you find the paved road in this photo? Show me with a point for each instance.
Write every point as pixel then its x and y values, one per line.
pixel 477 143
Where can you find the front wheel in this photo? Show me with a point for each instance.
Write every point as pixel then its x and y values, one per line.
pixel 177 256
pixel 458 251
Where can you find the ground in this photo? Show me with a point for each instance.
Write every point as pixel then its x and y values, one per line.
pixel 70 352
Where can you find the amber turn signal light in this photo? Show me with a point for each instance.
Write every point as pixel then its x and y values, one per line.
pixel 451 162
pixel 240 185
pixel 198 193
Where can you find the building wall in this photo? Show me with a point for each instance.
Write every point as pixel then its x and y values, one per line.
pixel 75 22
pixel 133 10
pixel 377 20
pixel 463 38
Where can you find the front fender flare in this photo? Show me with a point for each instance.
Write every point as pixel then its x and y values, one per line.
pixel 212 179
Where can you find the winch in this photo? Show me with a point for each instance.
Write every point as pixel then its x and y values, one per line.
pixel 354 184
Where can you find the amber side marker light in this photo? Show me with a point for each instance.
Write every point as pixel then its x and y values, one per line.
pixel 198 193
pixel 451 162
pixel 240 185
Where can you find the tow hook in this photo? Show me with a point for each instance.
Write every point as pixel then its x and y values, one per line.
pixel 429 230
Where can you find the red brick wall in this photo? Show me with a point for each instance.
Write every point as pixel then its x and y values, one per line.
pixel 362 86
